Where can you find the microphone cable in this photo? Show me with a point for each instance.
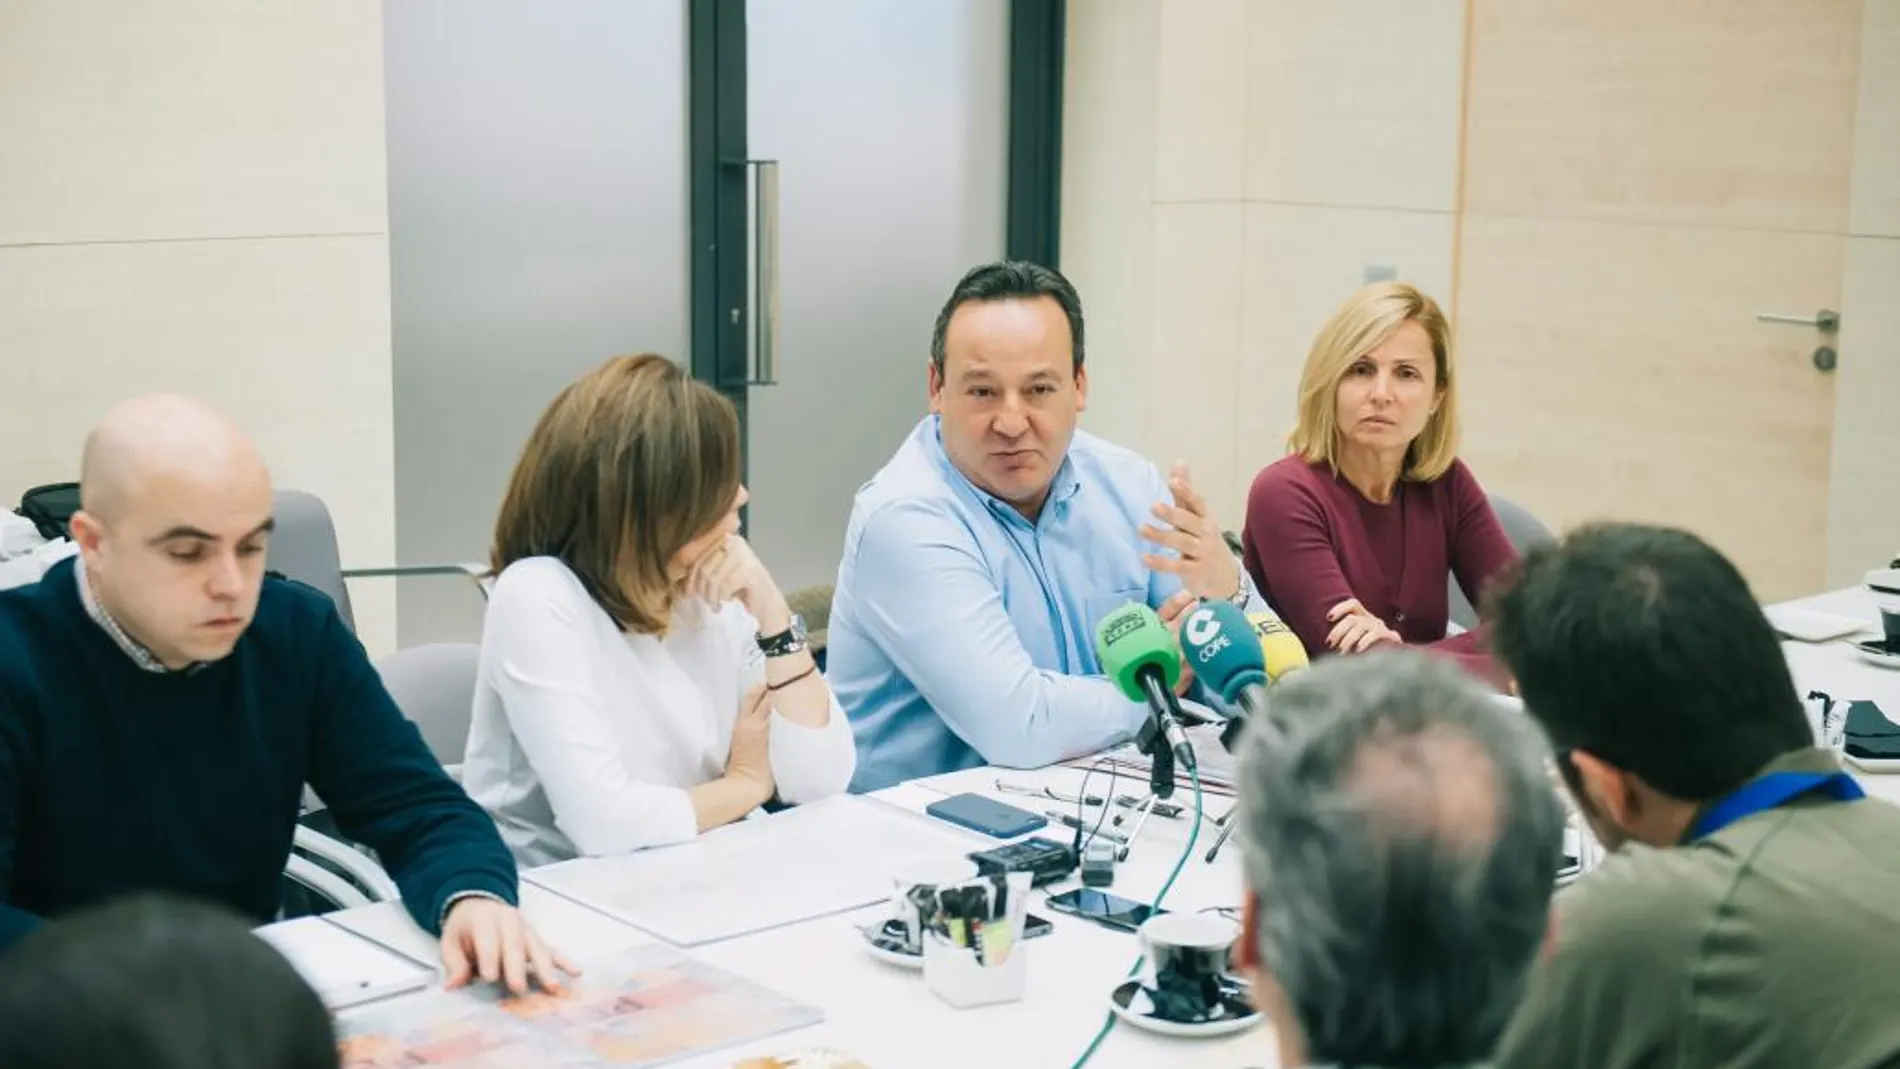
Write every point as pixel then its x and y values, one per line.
pixel 1194 832
pixel 1081 808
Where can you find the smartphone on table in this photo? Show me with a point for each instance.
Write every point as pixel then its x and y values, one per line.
pixel 986 815
pixel 1103 908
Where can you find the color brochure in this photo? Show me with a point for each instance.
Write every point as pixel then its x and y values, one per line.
pixel 649 1006
pixel 804 1059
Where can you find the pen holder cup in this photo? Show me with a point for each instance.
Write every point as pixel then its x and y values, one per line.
pixel 958 977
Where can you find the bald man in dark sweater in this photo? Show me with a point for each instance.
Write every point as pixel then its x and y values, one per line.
pixel 163 703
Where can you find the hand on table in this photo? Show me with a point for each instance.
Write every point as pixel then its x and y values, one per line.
pixel 1356 630
pixel 1205 565
pixel 489 940
pixel 1172 612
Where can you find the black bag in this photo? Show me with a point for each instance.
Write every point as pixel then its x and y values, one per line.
pixel 50 507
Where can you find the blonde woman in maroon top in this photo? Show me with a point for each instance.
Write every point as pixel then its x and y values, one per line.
pixel 1352 536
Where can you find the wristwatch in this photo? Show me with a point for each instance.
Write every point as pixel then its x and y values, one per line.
pixel 1243 594
pixel 786 642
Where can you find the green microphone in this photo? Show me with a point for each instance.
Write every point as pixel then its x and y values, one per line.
pixel 1139 654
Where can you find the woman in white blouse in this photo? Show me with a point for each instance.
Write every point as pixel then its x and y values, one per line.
pixel 641 678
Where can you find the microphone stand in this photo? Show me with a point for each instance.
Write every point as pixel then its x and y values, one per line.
pixel 1226 823
pixel 1152 743
pixel 1253 704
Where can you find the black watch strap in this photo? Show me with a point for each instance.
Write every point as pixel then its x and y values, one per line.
pixel 786 642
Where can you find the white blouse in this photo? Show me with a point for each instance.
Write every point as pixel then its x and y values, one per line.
pixel 585 739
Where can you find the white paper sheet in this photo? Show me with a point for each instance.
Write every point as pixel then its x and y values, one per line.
pixel 580 933
pixel 345 969
pixel 828 857
pixel 1216 766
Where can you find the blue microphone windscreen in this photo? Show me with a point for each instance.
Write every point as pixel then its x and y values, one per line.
pixel 1220 645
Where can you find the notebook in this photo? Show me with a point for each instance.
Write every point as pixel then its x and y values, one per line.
pixel 345 969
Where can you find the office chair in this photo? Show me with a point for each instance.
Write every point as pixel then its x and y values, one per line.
pixel 434 686
pixel 327 872
pixel 813 605
pixel 303 547
pixel 1523 529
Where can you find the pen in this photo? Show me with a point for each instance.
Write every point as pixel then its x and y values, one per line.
pixel 956 915
pixel 1069 821
pixel 1161 809
pixel 1045 792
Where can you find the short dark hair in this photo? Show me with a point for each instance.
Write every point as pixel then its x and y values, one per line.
pixel 1644 647
pixel 1006 280
pixel 1401 840
pixel 157 983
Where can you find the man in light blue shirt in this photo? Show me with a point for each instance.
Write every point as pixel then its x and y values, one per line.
pixel 979 560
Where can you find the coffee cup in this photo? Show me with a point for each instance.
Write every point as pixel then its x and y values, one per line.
pixel 1185 964
pixel 914 893
pixel 1883 584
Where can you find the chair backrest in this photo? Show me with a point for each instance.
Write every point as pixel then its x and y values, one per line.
pixel 303 547
pixel 813 603
pixel 1523 529
pixel 434 685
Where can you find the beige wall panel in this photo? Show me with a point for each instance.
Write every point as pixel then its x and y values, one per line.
pixel 291 336
pixel 1354 102
pixel 1617 371
pixel 194 118
pixel 1108 182
pixel 1864 520
pixel 1664 112
pixel 1201 100
pixel 1190 380
pixel 1874 198
pixel 1301 263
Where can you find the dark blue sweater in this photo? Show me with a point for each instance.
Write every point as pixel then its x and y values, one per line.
pixel 114 779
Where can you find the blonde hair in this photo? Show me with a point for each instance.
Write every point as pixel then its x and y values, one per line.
pixel 628 464
pixel 1366 321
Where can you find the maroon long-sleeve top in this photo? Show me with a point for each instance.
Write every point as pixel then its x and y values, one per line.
pixel 1312 540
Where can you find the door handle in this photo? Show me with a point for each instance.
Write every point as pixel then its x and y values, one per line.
pixel 1826 320
pixel 765 274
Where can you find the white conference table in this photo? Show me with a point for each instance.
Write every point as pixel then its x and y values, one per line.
pixel 886 1016
pixel 1834 667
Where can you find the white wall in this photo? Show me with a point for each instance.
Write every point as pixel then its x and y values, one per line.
pixel 1232 169
pixel 1220 195
pixel 192 198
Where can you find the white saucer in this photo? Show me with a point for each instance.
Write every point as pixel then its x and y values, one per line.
pixel 1873 765
pixel 1884 660
pixel 1130 1003
pixel 1806 625
pixel 897 958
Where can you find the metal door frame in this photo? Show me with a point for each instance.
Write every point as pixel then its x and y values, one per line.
pixel 720 315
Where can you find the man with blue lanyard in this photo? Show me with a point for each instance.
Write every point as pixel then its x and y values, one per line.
pixel 979 560
pixel 1749 915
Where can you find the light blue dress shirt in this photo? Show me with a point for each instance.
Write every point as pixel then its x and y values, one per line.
pixel 962 634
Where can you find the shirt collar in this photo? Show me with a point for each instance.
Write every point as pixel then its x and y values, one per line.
pixel 1806 759
pixel 140 653
pixel 1064 486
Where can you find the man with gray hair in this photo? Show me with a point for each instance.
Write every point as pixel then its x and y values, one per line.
pixel 1401 840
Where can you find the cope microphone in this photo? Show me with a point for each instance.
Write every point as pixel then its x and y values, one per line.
pixel 1239 656
pixel 1218 642
pixel 1139 655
